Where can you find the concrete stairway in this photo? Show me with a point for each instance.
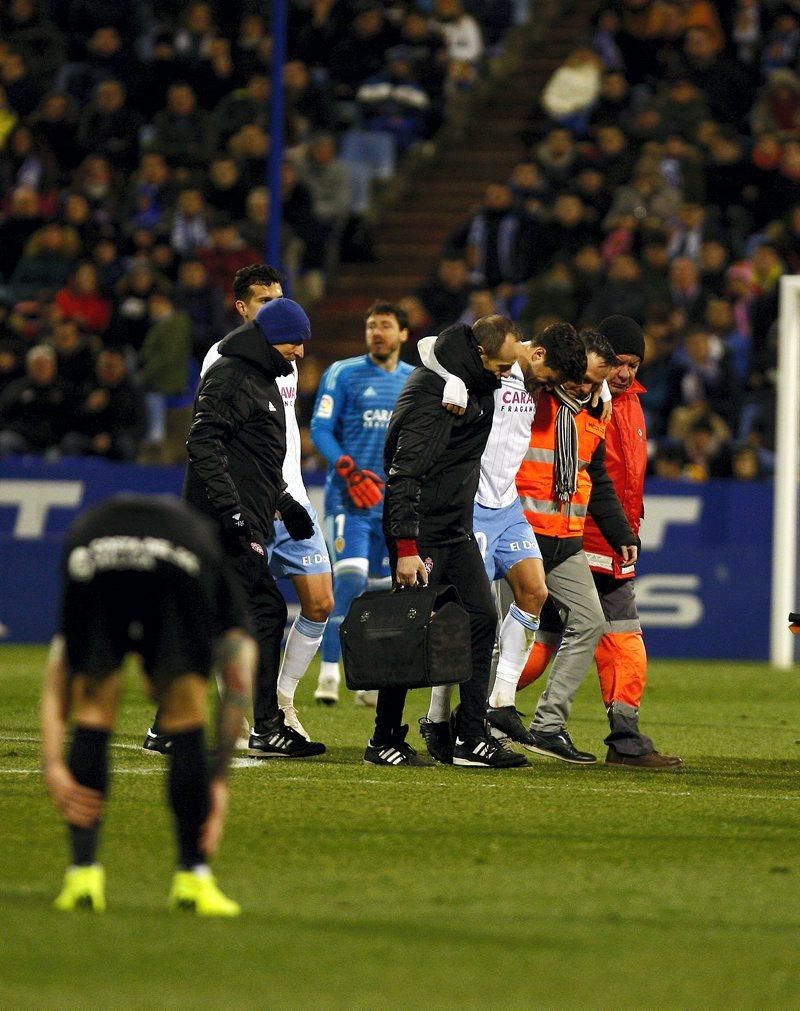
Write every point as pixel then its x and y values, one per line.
pixel 439 194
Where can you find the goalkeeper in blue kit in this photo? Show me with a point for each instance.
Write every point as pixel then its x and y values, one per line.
pixel 353 408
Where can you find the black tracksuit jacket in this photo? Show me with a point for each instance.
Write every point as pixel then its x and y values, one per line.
pixel 432 458
pixel 237 442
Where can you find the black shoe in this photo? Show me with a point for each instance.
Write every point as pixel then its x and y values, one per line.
pixel 560 746
pixel 157 744
pixel 395 751
pixel 506 720
pixel 438 739
pixel 486 753
pixel 280 741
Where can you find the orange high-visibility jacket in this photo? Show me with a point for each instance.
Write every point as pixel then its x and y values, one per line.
pixel 626 462
pixel 536 477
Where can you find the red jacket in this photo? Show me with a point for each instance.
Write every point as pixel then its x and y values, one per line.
pixel 626 462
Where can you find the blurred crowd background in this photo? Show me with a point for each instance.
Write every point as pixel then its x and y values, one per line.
pixel 661 179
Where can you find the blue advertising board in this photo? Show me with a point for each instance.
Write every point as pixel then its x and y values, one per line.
pixel 703 585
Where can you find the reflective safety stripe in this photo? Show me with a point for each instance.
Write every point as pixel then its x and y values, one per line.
pixel 536 454
pixel 600 561
pixel 543 505
pixel 628 625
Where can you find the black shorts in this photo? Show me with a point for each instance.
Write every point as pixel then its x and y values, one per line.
pixel 163 616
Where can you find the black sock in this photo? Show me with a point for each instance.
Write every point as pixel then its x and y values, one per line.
pixel 189 794
pixel 88 763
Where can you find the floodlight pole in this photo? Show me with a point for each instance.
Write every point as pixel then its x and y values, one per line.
pixel 275 159
pixel 787 464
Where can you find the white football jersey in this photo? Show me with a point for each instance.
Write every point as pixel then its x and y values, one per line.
pixel 508 441
pixel 292 474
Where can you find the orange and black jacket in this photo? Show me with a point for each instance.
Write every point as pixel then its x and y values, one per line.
pixel 559 526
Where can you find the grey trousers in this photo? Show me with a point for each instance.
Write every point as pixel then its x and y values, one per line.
pixel 574 594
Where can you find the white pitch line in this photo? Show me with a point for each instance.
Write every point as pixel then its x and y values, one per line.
pixel 245 762
pixel 116 771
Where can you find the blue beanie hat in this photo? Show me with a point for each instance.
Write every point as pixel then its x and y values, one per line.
pixel 283 321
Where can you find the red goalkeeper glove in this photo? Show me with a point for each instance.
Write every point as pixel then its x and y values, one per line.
pixel 364 487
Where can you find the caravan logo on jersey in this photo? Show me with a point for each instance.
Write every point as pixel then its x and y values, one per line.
pixel 377 418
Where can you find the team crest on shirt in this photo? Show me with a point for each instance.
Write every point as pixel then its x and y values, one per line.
pixel 339 544
pixel 428 563
pixel 258 548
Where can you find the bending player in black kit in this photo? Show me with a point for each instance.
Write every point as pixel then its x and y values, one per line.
pixel 145 575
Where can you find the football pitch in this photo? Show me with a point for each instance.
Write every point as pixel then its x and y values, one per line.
pixel 548 887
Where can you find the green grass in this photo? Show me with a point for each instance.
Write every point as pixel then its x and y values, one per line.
pixel 551 887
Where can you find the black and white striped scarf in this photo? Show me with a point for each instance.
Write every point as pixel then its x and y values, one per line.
pixel 566 447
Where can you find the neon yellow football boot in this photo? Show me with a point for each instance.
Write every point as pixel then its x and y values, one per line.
pixel 200 894
pixel 84 888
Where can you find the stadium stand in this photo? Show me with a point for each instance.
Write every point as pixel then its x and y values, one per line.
pixel 637 156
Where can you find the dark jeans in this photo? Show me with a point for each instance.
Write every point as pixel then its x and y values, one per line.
pixel 462 566
pixel 267 611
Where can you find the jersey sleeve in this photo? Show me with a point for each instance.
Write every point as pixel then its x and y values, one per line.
pixel 328 409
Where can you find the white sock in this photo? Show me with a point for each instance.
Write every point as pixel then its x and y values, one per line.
pixel 202 870
pixel 302 644
pixel 329 671
pixel 517 635
pixel 439 709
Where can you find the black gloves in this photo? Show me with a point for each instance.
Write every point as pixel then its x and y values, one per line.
pixel 237 534
pixel 295 518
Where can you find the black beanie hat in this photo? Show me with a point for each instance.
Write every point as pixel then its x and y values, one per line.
pixel 624 335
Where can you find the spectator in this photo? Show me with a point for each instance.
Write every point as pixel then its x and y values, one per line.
pixel 621 293
pixel 225 254
pixel 557 156
pixel 75 358
pixel 393 102
pixel 190 224
pixel 16 228
pixel 328 181
pixel 82 301
pixel 33 408
pixel 701 374
pixel 27 162
pixel 55 123
pixel 150 192
pixel 214 76
pixel 195 37
pixel 23 90
pixel 202 303
pixel 446 295
pixel 463 37
pixel 358 54
pixel 157 75
pixel 722 81
pixel 47 261
pixel 110 127
pixel 163 362
pixel 27 29
pixel 309 104
pixel 242 107
pixel 249 148
pixel 110 420
pixel 180 130
pixel 686 292
pixel 494 238
pixel 225 192
pixel 130 321
pixel 572 91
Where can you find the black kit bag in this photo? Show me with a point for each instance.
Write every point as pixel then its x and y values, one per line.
pixel 411 638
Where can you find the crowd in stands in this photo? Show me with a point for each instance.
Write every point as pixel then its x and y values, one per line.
pixel 662 180
pixel 133 140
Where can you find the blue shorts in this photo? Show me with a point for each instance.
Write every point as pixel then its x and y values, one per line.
pixel 351 535
pixel 504 537
pixel 298 558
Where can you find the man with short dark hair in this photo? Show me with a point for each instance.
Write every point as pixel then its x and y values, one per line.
pixel 432 459
pixel 354 404
pixel 144 575
pixel 237 448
